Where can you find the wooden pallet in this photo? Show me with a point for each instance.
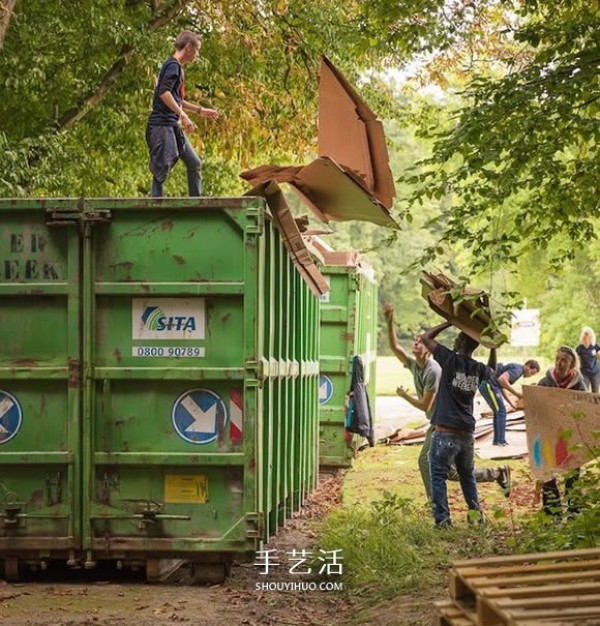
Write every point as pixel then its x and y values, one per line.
pixel 558 588
pixel 450 614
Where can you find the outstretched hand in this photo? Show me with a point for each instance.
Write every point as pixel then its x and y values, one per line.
pixel 401 391
pixel 212 114
pixel 389 311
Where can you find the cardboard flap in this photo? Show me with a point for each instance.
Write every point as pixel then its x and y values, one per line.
pixel 328 190
pixel 351 134
pixel 351 179
pixel 346 258
pixel 292 238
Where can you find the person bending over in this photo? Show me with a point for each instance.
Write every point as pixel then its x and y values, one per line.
pixel 498 387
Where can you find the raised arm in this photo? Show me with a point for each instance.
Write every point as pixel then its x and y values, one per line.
pixel 492 359
pixel 428 337
pixel 395 347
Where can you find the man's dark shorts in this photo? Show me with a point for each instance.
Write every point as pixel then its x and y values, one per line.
pixel 166 143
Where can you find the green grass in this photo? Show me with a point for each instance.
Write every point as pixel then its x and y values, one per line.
pixel 391 374
pixel 386 532
pixel 395 561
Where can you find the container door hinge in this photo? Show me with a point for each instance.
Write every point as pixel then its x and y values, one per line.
pixel 258 227
pixel 71 217
pixel 256 372
pixel 254 526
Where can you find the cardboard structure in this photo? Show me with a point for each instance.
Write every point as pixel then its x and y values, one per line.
pixel 466 308
pixel 327 189
pixel 351 134
pixel 484 435
pixel 346 258
pixel 351 178
pixel 562 428
pixel 292 237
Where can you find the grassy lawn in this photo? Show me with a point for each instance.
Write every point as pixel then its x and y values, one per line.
pixel 396 562
pixel 394 469
pixel 391 374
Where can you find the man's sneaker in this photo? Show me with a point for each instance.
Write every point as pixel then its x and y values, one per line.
pixel 503 479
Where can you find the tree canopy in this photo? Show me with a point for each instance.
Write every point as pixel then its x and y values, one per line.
pixel 521 161
pixel 78 80
pixel 498 171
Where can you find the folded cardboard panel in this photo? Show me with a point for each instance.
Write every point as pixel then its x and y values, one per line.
pixel 351 134
pixel 351 179
pixel 327 189
pixel 292 238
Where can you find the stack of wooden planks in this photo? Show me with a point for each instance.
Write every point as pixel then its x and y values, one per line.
pixel 557 588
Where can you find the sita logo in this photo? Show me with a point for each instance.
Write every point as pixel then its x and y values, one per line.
pixel 154 318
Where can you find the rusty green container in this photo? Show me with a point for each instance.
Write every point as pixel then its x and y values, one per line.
pixel 348 329
pixel 159 394
pixel 40 386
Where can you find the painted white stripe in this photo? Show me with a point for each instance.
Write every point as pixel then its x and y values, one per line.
pixel 323 391
pixel 236 415
pixel 6 404
pixel 204 421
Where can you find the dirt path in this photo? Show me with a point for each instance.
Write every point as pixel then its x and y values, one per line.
pixel 237 602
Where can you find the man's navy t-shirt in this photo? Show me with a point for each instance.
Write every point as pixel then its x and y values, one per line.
pixel 515 371
pixel 170 79
pixel 461 377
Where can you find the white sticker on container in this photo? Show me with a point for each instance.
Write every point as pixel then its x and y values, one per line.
pixel 168 318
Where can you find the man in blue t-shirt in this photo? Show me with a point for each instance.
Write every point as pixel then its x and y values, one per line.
pixel 452 442
pixel 496 389
pixel 426 375
pixel 164 134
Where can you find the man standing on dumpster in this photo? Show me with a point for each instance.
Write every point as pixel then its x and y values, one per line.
pixel 452 441
pixel 168 120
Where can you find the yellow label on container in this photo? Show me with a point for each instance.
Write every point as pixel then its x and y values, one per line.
pixel 181 489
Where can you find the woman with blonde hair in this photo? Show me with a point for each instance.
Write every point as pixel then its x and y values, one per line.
pixel 564 375
pixel 589 352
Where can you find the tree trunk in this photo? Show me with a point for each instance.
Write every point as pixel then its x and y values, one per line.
pixel 71 117
pixel 6 10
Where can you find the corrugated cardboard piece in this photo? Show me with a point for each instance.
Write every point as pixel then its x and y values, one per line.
pixel 351 179
pixel 468 309
pixel 331 192
pixel 351 134
pixel 292 238
pixel 347 258
pixel 562 427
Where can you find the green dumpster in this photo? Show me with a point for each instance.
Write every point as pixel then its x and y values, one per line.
pixel 159 394
pixel 348 329
pixel 40 384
